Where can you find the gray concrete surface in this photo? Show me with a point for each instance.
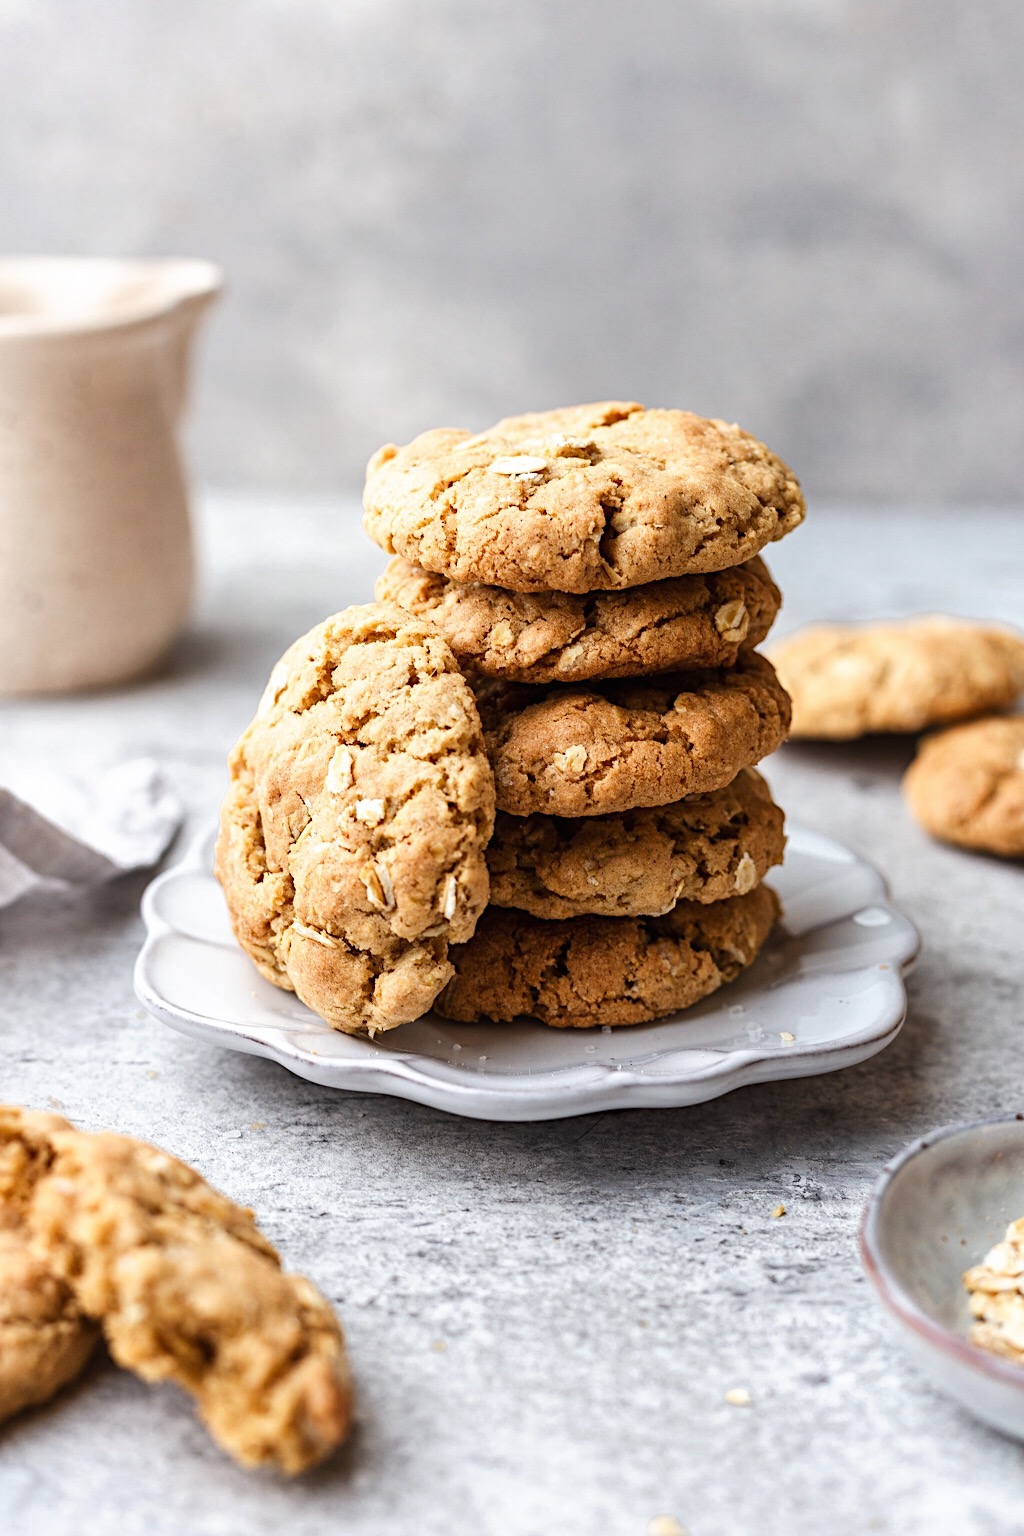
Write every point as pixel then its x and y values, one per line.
pixel 804 214
pixel 543 1319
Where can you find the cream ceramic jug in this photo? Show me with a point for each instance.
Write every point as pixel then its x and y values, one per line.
pixel 96 563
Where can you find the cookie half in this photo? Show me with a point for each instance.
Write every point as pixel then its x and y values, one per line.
pixel 966 785
pixel 847 680
pixel 601 748
pixel 587 971
pixel 352 838
pixel 579 500
pixel 187 1289
pixel 45 1338
pixel 552 637
pixel 638 863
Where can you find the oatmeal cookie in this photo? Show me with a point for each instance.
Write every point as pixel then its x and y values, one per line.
pixel 583 499
pixel 352 838
pixel 606 747
pixel 561 637
pixel 638 863
pixel 966 785
pixel 45 1338
pixel 187 1289
pixel 847 680
pixel 586 971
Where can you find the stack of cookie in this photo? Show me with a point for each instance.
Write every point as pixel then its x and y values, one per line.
pixel 595 572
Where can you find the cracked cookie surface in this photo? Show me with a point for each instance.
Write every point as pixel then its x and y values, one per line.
pixel 587 498
pixel 587 971
pixel 848 680
pixel 599 748
pixel 638 863
pixel 966 785
pixel 550 637
pixel 352 839
pixel 187 1289
pixel 45 1338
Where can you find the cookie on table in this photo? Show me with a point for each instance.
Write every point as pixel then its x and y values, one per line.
pixel 638 863
pixel 586 971
pixel 45 1338
pixel 351 848
pixel 601 748
pixel 551 637
pixel 579 500
pixel 848 680
pixel 966 785
pixel 187 1289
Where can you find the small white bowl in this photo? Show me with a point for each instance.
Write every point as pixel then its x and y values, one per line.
pixel 938 1208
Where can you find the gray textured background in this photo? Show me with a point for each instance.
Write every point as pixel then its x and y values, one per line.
pixel 804 214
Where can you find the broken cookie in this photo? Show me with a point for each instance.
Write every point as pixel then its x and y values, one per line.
pixel 185 1287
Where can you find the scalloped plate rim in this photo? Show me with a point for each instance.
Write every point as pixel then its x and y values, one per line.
pixel 553 1093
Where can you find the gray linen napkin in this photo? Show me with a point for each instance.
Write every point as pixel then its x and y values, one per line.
pixel 59 832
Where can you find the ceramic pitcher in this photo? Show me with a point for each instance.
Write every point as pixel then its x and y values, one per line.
pixel 96 562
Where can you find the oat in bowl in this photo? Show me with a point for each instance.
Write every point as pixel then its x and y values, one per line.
pixel 943 1200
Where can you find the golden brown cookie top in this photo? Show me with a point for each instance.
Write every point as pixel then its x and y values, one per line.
pixel 847 680
pixel 352 838
pixel 588 971
pixel 582 499
pixel 639 863
pixel 186 1288
pixel 598 748
pixel 966 785
pixel 565 637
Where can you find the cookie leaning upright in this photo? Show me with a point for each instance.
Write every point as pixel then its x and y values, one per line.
pixel 587 498
pixel 352 840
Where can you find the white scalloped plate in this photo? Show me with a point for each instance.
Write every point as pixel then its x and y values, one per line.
pixel 826 992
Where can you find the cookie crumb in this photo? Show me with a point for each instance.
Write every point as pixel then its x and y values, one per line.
pixel 738 1397
pixel 665 1525
pixel 780 1210
pixel 787 1037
